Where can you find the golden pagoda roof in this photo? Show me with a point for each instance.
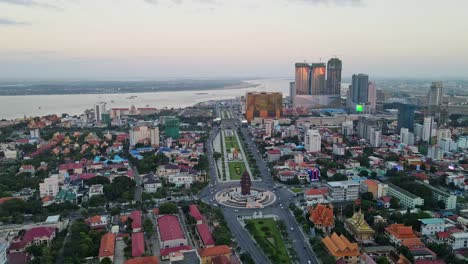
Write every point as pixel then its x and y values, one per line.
pixel 359 223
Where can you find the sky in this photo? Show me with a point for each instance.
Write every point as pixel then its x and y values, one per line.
pixel 125 39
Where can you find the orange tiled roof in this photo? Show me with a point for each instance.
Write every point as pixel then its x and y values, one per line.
pixel 143 260
pixel 215 251
pixel 322 215
pixel 107 247
pixel 339 246
pixel 401 231
pixel 412 243
pixel 4 199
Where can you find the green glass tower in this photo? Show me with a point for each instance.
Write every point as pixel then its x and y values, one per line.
pixel 171 127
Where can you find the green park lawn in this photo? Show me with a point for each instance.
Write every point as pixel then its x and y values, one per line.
pixel 236 169
pixel 297 190
pixel 265 231
pixel 231 142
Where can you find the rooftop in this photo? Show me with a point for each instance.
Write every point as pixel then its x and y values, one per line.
pixel 143 260
pixel 432 221
pixel 215 251
pixel 138 244
pixel 107 245
pixel 169 228
pixel 403 191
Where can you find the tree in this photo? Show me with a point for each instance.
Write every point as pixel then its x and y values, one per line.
pixel 97 200
pixel 394 203
pixel 367 196
pixel 106 260
pixel 364 173
pixel 148 226
pixel 382 260
pixel 217 155
pixel 222 235
pixel 168 208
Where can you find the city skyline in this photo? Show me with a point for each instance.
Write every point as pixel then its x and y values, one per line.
pixel 263 38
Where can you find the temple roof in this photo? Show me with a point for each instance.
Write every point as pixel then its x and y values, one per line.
pixel 359 223
pixel 339 246
pixel 322 215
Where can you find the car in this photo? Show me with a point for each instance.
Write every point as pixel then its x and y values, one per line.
pixel 292 228
pixel 236 211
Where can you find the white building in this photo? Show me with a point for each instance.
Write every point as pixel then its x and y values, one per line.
pixel 406 137
pixel 151 183
pixel 144 133
pixel 429 128
pixel 375 137
pixel 458 240
pixel 443 133
pixel 339 149
pixel 180 179
pixel 342 191
pixel 3 255
pixel 298 158
pixel 347 128
pixel 407 199
pixel 99 110
pixel 462 143
pixel 418 132
pixel 435 153
pixel 313 141
pixel 430 226
pixel 447 145
pixel 97 189
pixel 50 186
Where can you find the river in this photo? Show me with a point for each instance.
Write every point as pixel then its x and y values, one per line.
pixel 12 107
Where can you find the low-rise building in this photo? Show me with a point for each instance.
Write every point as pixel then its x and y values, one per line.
pixel 151 183
pixel 273 155
pixel 359 228
pixel 50 186
pixel 399 233
pixel 205 235
pixel 34 236
pixel 377 188
pixel 97 189
pixel 449 200
pixel 407 199
pixel 341 249
pixel 98 222
pixel 316 196
pixel 138 244
pixel 136 221
pixel 322 216
pixel 3 253
pixel 342 191
pixel 430 226
pixel 195 213
pixel 107 247
pixel 170 232
pixel 458 240
pixel 208 254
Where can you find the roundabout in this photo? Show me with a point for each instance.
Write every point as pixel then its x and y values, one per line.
pixel 245 196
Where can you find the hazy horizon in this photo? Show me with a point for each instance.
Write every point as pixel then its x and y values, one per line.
pixel 213 39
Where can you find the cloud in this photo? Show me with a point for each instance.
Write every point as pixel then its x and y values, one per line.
pixel 8 22
pixel 28 3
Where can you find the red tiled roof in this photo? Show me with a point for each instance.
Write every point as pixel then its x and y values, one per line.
pixel 429 261
pixel 31 234
pixel 70 166
pixel 143 260
pixel 4 199
pixel 167 251
pixel 274 151
pixel 316 191
pixel 138 244
pixel 107 247
pixel 215 251
pixel 136 219
pixel 443 234
pixel 205 234
pixel 195 213
pixel 169 228
pixel 221 260
pixel 18 258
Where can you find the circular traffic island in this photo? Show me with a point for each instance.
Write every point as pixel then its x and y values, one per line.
pixel 254 199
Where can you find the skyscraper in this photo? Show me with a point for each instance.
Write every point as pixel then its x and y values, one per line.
pixel 292 90
pixel 371 98
pixel 99 110
pixel 435 95
pixel 360 88
pixel 405 117
pixel 317 79
pixel 302 78
pixel 334 67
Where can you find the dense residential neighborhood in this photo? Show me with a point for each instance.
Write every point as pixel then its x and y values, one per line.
pixel 222 183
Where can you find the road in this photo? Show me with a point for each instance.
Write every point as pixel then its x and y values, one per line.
pixel 138 189
pixel 284 197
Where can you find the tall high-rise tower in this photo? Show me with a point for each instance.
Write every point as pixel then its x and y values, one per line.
pixel 302 78
pixel 360 88
pixel 405 117
pixel 435 95
pixel 334 67
pixel 317 79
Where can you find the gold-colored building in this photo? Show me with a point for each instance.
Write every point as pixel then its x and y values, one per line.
pixel 266 105
pixel 359 228
pixel 339 247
